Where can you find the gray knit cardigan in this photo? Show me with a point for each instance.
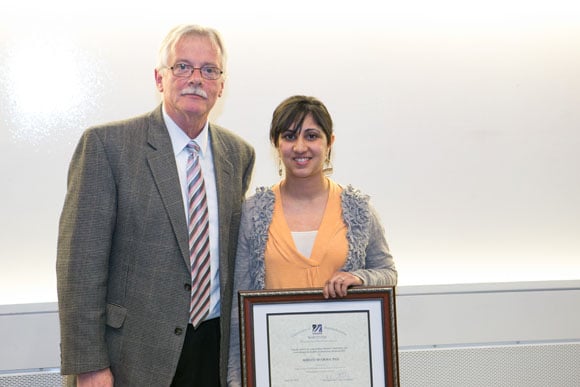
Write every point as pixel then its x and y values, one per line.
pixel 368 253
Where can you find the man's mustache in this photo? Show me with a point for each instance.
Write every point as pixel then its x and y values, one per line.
pixel 193 90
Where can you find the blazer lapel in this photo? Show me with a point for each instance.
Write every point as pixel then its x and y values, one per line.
pixel 223 176
pixel 161 159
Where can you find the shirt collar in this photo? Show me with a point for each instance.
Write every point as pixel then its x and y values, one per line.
pixel 179 139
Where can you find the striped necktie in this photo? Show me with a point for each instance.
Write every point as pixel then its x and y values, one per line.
pixel 198 238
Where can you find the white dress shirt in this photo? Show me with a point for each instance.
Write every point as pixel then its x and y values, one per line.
pixel 179 141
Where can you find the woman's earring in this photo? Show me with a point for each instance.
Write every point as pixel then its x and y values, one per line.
pixel 328 168
pixel 280 167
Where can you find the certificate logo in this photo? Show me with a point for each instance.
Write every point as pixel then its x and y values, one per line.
pixel 316 329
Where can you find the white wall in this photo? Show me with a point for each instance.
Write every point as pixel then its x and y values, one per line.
pixel 460 118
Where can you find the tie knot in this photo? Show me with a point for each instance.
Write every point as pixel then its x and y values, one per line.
pixel 192 147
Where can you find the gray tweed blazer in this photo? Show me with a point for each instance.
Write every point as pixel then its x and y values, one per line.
pixel 122 262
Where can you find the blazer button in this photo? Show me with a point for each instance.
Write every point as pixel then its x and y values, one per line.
pixel 178 331
pixel 187 287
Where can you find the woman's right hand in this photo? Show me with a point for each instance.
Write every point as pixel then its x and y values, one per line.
pixel 338 284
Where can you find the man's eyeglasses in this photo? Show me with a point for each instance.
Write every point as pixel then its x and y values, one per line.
pixel 184 70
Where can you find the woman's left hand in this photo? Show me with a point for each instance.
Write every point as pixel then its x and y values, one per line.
pixel 338 284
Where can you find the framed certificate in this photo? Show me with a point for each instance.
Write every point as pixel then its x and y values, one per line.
pixel 295 337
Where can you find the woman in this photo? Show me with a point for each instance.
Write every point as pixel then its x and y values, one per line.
pixel 306 231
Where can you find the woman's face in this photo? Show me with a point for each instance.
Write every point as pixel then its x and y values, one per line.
pixel 303 152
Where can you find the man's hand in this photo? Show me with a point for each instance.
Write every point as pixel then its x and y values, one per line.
pixel 100 378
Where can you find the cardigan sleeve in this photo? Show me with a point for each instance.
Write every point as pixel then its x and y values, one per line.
pixel 242 281
pixel 379 263
pixel 369 256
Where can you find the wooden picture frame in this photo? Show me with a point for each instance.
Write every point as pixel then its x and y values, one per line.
pixel 295 337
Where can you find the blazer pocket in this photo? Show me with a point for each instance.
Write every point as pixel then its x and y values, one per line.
pixel 116 315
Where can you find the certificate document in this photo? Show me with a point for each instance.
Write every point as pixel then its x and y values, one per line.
pixel 296 338
pixel 318 349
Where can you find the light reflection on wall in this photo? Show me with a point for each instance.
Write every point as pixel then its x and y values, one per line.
pixel 49 86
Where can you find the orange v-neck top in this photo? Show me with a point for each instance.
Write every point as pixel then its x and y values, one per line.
pixel 286 267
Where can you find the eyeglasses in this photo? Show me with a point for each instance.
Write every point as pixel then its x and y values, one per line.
pixel 184 70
